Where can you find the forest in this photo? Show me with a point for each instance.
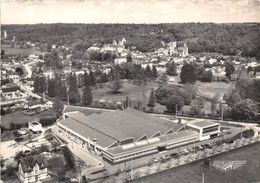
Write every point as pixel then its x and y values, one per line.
pixel 228 39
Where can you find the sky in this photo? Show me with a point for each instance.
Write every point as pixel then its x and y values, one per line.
pixel 129 11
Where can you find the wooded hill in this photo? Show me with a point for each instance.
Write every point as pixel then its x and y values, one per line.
pixel 229 39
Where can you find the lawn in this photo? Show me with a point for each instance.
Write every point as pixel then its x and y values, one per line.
pixel 16 50
pixel 210 89
pixel 18 117
pixel 249 172
pixel 135 93
pixel 87 112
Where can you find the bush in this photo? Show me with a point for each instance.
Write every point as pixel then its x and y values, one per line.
pixel 48 120
pixel 15 126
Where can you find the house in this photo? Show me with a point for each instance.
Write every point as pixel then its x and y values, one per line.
pixel 12 92
pixel 120 60
pixel 32 169
pixel 14 76
pixel 35 126
pixel 178 48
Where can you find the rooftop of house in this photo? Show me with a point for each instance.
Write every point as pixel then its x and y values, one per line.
pixel 29 162
pixel 10 89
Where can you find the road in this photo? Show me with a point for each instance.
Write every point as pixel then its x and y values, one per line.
pixel 24 88
pixel 28 69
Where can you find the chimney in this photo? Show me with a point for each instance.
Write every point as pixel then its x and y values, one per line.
pixel 179 120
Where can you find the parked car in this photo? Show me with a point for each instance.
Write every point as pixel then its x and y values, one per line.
pixel 185 152
pixel 154 159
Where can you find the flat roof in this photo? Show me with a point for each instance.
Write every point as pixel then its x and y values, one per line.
pixel 202 124
pixel 35 123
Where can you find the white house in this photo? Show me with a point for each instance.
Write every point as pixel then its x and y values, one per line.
pixel 120 60
pixel 35 126
pixel 33 169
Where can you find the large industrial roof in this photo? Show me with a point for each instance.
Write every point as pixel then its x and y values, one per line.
pixel 119 125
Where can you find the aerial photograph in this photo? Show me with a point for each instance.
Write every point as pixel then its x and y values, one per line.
pixel 138 91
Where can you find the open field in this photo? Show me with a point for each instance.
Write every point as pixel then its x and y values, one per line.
pixel 210 89
pixel 249 172
pixel 18 117
pixel 16 50
pixel 135 93
pixel 87 112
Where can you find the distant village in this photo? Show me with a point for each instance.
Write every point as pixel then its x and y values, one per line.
pixel 17 87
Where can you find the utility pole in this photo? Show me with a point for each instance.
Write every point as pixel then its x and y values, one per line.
pixel 222 110
pixel 176 112
pixel 194 149
pixel 68 98
pixel 203 177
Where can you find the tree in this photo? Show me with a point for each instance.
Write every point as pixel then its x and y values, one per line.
pixel 232 98
pixel 92 78
pixel 116 85
pixel 188 73
pixel 86 96
pixel 163 78
pixel 41 57
pixel 214 103
pixel 52 87
pixel 2 53
pixel 242 85
pixel 151 102
pixel 61 89
pixel 19 70
pixel 154 72
pixel 40 84
pixel 86 79
pixel 73 93
pixel 174 101
pixel 148 71
pixel 230 69
pixel 243 110
pixel 196 107
pixel 171 69
pixel 57 107
pixel 207 76
pixel 129 57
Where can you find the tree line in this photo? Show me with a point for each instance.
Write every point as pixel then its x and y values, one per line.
pixel 229 39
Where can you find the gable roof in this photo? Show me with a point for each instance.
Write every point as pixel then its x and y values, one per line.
pixel 10 89
pixel 29 162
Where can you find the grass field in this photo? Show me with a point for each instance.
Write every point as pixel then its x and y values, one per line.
pixel 249 172
pixel 16 50
pixel 133 91
pixel 87 112
pixel 210 89
pixel 18 117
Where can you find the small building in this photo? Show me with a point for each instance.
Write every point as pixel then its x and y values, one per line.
pixel 12 92
pixel 206 129
pixel 119 60
pixel 35 126
pixel 33 169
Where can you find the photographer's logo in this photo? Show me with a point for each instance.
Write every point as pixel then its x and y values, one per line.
pixel 228 165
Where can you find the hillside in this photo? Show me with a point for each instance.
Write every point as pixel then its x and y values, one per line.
pixel 228 39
